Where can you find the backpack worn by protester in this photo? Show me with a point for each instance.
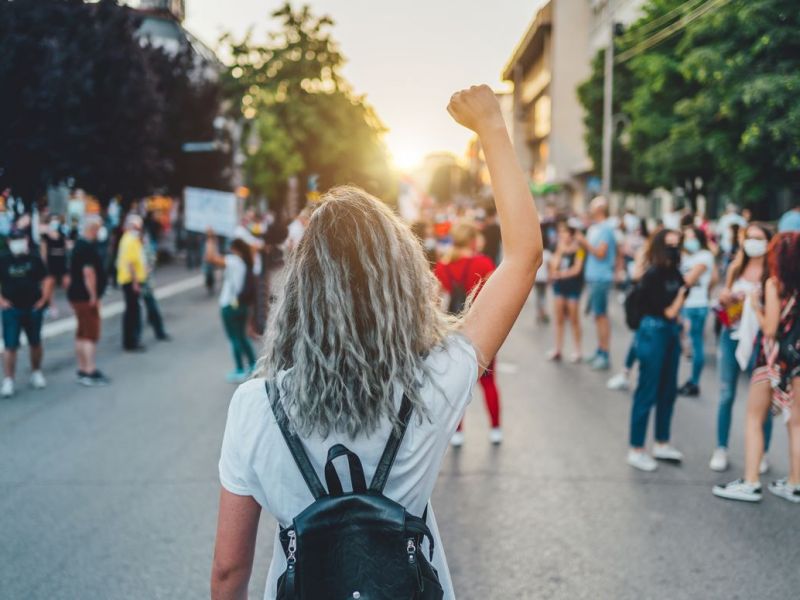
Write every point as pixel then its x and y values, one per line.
pixel 358 544
pixel 633 306
pixel 247 297
pixel 458 290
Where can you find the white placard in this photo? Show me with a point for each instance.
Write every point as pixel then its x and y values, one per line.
pixel 211 208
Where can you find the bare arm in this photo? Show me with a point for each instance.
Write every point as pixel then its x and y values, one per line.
pixel 90 281
pixel 235 547
pixel 674 309
pixel 598 251
pixel 772 309
pixel 497 307
pixel 212 256
pixel 693 276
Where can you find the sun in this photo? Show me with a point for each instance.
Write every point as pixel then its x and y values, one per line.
pixel 405 154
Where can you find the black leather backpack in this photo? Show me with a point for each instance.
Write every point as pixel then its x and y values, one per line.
pixel 353 545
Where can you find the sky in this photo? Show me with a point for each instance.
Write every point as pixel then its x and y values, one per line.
pixel 407 56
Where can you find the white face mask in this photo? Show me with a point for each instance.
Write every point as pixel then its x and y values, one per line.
pixel 755 248
pixel 18 247
pixel 102 234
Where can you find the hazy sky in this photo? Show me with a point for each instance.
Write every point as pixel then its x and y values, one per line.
pixel 408 56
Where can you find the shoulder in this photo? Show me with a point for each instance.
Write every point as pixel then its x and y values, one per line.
pixel 248 412
pixel 454 362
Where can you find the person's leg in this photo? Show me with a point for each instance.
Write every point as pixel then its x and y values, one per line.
pixel 697 325
pixel 650 353
pixel 558 321
pixel 491 395
pixel 33 331
pixel 668 384
pixel 728 380
pixel 37 353
pixel 575 322
pixel 630 357
pixel 129 317
pixel 604 333
pixel 154 317
pixel 758 404
pixel 10 362
pixel 228 321
pixel 793 428
pixel 246 344
pixel 11 333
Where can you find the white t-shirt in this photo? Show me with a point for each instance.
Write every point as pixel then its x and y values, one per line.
pixel 232 280
pixel 255 460
pixel 698 293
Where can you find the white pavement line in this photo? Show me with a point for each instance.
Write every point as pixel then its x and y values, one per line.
pixel 107 311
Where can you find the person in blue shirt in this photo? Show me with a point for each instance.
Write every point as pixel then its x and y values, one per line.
pixel 601 255
pixel 790 221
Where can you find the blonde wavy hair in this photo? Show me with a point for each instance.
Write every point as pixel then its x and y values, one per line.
pixel 359 312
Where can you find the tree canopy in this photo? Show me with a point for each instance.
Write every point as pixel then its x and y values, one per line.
pixel 301 117
pixel 713 108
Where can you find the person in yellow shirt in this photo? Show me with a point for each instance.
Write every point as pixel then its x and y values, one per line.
pixel 131 275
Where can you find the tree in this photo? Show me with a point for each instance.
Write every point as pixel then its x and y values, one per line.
pixel 301 116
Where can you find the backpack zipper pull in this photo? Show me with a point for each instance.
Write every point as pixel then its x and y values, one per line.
pixel 291 559
pixel 411 549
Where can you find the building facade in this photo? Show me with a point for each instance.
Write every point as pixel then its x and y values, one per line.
pixel 546 68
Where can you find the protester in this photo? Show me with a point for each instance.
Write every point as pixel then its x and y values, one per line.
pixel 566 273
pixel 25 290
pixel 86 288
pixel 148 293
pixel 492 240
pixel 728 227
pixel 131 274
pixel 360 325
pixel 747 275
pixel 790 220
pixel 601 248
pixel 54 244
pixel 541 284
pixel 423 230
pixel 297 229
pixel 698 269
pixel 661 297
pixel 462 278
pixel 236 296
pixel 776 379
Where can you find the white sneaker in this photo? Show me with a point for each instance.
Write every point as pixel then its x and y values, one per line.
pixel 457 440
pixel 739 490
pixel 618 382
pixel 38 381
pixel 667 452
pixel 642 461
pixel 719 460
pixel 763 466
pixel 7 387
pixel 782 489
pixel 496 435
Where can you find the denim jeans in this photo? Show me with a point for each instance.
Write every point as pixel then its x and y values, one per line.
pixel 729 373
pixel 658 350
pixel 235 321
pixel 696 317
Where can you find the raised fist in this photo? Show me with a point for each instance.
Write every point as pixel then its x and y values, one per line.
pixel 476 108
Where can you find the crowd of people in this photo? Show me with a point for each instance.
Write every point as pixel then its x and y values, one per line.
pixel 671 275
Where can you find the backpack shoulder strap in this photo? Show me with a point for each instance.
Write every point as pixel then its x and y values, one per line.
pixel 295 445
pixel 392 446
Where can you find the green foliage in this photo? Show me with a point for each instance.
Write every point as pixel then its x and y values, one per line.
pixel 302 115
pixel 714 104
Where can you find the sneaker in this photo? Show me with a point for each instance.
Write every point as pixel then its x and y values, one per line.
pixel 7 387
pixel 783 489
pixel 601 363
pixel 618 382
pixel 496 436
pixel 85 379
pixel 590 359
pixel 99 378
pixel 576 358
pixel 236 376
pixel 667 452
pixel 553 355
pixel 739 490
pixel 642 461
pixel 719 460
pixel 689 389
pixel 38 382
pixel 457 440
pixel 763 466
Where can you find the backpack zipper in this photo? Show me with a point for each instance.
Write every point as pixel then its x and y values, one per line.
pixel 411 549
pixel 290 558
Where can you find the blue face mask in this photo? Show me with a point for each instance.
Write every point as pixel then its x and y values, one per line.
pixel 691 245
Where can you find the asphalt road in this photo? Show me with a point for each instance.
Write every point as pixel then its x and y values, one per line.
pixel 112 493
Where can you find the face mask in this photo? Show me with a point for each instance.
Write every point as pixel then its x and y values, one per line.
pixel 54 227
pixel 755 248
pixel 691 245
pixel 674 254
pixel 102 234
pixel 18 247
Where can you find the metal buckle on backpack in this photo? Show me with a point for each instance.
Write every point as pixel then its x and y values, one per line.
pixel 411 549
pixel 290 557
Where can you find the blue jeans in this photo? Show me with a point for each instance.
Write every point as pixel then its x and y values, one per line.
pixel 658 349
pixel 729 374
pixel 696 317
pixel 598 297
pixel 17 320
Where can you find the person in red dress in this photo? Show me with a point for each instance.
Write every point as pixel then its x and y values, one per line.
pixel 462 277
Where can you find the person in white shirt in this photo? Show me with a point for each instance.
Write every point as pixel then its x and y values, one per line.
pixel 358 326
pixel 699 271
pixel 725 228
